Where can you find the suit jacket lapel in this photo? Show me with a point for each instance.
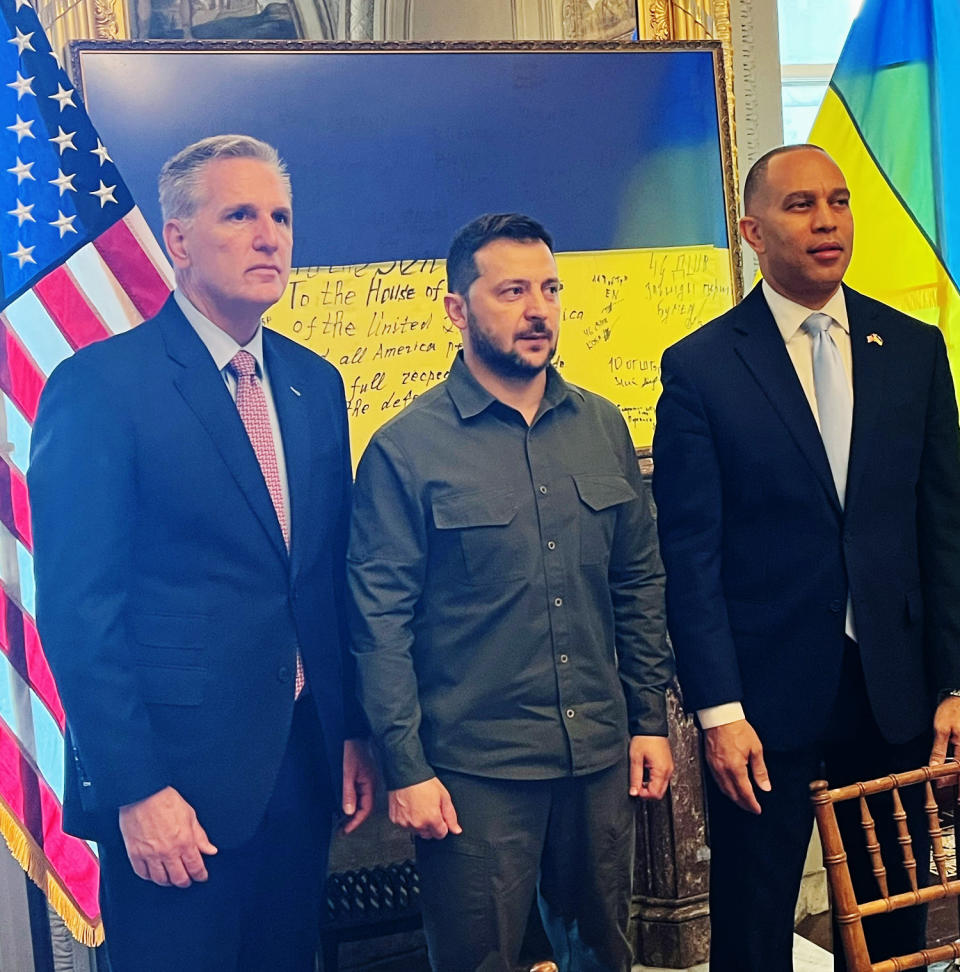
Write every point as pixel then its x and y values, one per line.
pixel 203 389
pixel 288 389
pixel 869 379
pixel 760 345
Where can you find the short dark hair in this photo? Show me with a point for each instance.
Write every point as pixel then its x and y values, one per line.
pixel 757 176
pixel 461 266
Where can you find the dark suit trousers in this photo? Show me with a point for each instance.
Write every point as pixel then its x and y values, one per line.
pixel 567 842
pixel 757 862
pixel 259 909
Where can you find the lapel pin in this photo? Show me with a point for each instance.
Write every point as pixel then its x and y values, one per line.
pixel 296 391
pixel 875 339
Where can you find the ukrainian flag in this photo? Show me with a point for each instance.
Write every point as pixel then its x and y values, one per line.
pixel 891 120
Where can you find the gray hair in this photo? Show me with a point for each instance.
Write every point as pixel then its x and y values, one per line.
pixel 180 176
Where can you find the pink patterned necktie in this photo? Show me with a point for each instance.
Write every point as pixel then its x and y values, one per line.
pixel 252 406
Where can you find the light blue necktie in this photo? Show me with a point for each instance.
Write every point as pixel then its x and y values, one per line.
pixel 834 401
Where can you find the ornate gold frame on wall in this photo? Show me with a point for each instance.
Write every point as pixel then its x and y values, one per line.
pixel 669 20
pixel 69 20
pixel 657 21
pixel 721 77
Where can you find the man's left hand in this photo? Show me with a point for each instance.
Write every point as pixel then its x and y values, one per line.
pixel 359 783
pixel 946 729
pixel 651 766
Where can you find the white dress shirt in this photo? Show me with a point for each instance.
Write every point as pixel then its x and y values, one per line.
pixel 789 317
pixel 222 348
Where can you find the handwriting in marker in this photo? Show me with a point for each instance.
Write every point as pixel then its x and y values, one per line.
pixel 384 327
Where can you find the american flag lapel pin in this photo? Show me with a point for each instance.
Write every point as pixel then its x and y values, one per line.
pixel 875 339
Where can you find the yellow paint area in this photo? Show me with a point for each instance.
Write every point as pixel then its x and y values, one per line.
pixel 383 325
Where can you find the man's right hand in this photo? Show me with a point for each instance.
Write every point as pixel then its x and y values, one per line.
pixel 164 839
pixel 734 754
pixel 426 809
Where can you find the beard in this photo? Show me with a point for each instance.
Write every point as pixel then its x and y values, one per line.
pixel 505 364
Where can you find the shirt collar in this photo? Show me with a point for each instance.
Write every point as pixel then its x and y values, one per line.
pixel 471 398
pixel 790 315
pixel 222 346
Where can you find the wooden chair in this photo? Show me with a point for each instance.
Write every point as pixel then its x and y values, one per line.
pixel 848 912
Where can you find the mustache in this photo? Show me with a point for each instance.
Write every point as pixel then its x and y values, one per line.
pixel 539 329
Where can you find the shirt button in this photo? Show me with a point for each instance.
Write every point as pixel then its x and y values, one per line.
pixel 551 545
pixel 557 601
pixel 543 489
pixel 564 659
pixel 570 713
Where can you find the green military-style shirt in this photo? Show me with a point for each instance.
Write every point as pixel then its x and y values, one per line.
pixel 507 589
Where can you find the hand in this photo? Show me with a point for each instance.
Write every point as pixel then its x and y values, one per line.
pixel 946 729
pixel 164 839
pixel 426 809
pixel 651 766
pixel 359 783
pixel 731 750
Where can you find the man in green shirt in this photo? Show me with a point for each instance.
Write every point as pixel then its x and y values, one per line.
pixel 508 624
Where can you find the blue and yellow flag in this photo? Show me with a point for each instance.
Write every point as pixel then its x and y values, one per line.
pixel 891 120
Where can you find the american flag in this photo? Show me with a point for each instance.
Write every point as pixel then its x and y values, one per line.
pixel 77 263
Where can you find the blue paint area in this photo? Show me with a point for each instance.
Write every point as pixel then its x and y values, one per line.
pixel 391 152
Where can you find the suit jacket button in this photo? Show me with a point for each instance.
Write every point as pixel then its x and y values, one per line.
pixel 836 605
pixel 283 674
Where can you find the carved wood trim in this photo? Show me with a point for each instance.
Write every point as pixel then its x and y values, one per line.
pixel 69 20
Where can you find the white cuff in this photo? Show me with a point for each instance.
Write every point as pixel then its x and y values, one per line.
pixel 720 715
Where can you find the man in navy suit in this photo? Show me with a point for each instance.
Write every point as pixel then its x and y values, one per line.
pixel 190 485
pixel 807 477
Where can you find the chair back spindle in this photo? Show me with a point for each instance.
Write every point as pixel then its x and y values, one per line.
pixel 848 911
pixel 903 835
pixel 873 846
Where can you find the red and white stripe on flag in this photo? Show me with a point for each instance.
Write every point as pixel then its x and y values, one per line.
pixel 77 264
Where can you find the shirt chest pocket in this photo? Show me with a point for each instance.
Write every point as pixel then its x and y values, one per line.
pixel 479 534
pixel 601 497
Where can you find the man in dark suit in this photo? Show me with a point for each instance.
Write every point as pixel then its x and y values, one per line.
pixel 807 477
pixel 190 484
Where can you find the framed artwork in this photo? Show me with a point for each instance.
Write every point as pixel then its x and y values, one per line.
pixel 608 20
pixel 622 151
pixel 239 19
